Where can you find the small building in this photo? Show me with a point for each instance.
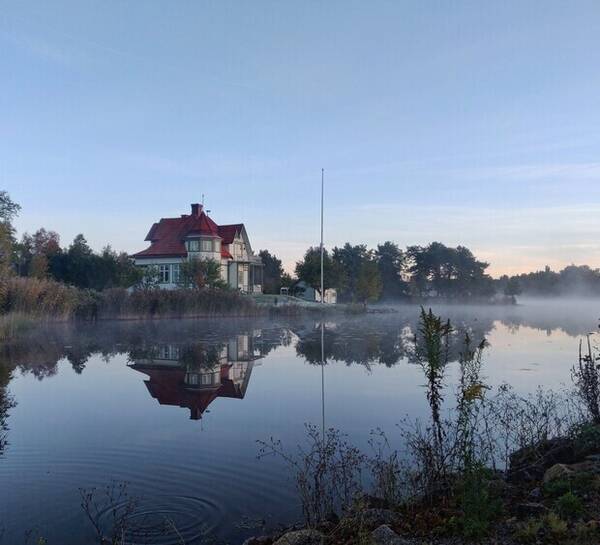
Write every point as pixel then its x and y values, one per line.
pixel 196 236
pixel 303 290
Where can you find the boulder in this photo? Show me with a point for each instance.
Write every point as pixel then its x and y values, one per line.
pixel 260 540
pixel 384 535
pixel 557 472
pixel 530 463
pixel 301 537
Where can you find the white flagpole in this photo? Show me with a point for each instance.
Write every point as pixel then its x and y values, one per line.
pixel 322 247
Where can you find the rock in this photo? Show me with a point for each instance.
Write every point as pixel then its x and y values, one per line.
pixel 531 509
pixel 535 494
pixel 384 535
pixel 557 472
pixel 260 540
pixel 589 466
pixel 372 518
pixel 301 537
pixel 530 463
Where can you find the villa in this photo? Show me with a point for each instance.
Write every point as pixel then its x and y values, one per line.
pixel 196 236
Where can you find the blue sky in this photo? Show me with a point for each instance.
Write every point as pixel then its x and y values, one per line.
pixel 474 123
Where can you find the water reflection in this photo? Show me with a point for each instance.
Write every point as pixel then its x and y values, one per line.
pixel 93 404
pixel 193 376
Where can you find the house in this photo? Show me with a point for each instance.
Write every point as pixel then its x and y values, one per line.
pixel 196 236
pixel 193 377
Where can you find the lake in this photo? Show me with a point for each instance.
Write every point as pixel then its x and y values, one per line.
pixel 175 408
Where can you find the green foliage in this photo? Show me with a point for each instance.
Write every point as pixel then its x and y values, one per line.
pixel 572 280
pixel 391 264
pixel 528 531
pixel 586 377
pixel 350 259
pixel 201 274
pixel 556 527
pixel 569 506
pixel 449 272
pixel 368 285
pixel 273 275
pixel 479 506
pixel 8 208
pixel 431 351
pixel 8 211
pixel 309 270
pixel 513 287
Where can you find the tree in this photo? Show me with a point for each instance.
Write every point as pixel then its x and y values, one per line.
pixel 390 262
pixel 8 208
pixel 368 284
pixel 8 211
pixel 272 272
pixel 309 270
pixel 201 274
pixel 350 259
pixel 513 287
pixel 35 252
pixel 449 272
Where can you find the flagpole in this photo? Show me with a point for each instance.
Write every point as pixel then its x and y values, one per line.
pixel 322 247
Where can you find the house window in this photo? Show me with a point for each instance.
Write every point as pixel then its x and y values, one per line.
pixel 206 245
pixel 163 274
pixel 207 380
pixel 217 245
pixel 242 269
pixel 193 245
pixel 176 273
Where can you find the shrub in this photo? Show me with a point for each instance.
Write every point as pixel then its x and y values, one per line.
pixel 569 506
pixel 477 502
pixel 527 532
pixel 327 471
pixel 586 376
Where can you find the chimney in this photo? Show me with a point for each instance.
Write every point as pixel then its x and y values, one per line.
pixel 196 209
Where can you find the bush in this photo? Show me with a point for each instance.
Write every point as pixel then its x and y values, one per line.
pixel 569 506
pixel 477 502
pixel 34 298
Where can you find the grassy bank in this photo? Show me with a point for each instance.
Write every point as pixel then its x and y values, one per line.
pixel 24 301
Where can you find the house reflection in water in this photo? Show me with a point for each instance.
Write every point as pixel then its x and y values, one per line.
pixel 193 376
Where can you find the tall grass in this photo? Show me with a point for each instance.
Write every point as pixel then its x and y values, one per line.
pixel 26 299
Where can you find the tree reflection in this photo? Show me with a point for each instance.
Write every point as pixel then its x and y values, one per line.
pixel 6 403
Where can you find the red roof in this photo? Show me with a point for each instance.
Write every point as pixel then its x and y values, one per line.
pixel 167 237
pixel 228 232
pixel 167 386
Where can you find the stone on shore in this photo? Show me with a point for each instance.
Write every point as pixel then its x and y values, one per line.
pixel 557 472
pixel 384 535
pixel 301 537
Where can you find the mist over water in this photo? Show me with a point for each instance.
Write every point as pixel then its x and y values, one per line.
pixel 175 407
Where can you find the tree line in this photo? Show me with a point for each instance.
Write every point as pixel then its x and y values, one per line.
pixel 387 272
pixel 573 280
pixel 358 273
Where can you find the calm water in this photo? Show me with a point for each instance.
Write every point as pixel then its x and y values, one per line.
pixel 175 408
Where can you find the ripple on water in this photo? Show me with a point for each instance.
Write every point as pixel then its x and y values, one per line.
pixel 166 519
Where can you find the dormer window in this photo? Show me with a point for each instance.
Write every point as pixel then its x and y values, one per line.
pixel 193 245
pixel 206 245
